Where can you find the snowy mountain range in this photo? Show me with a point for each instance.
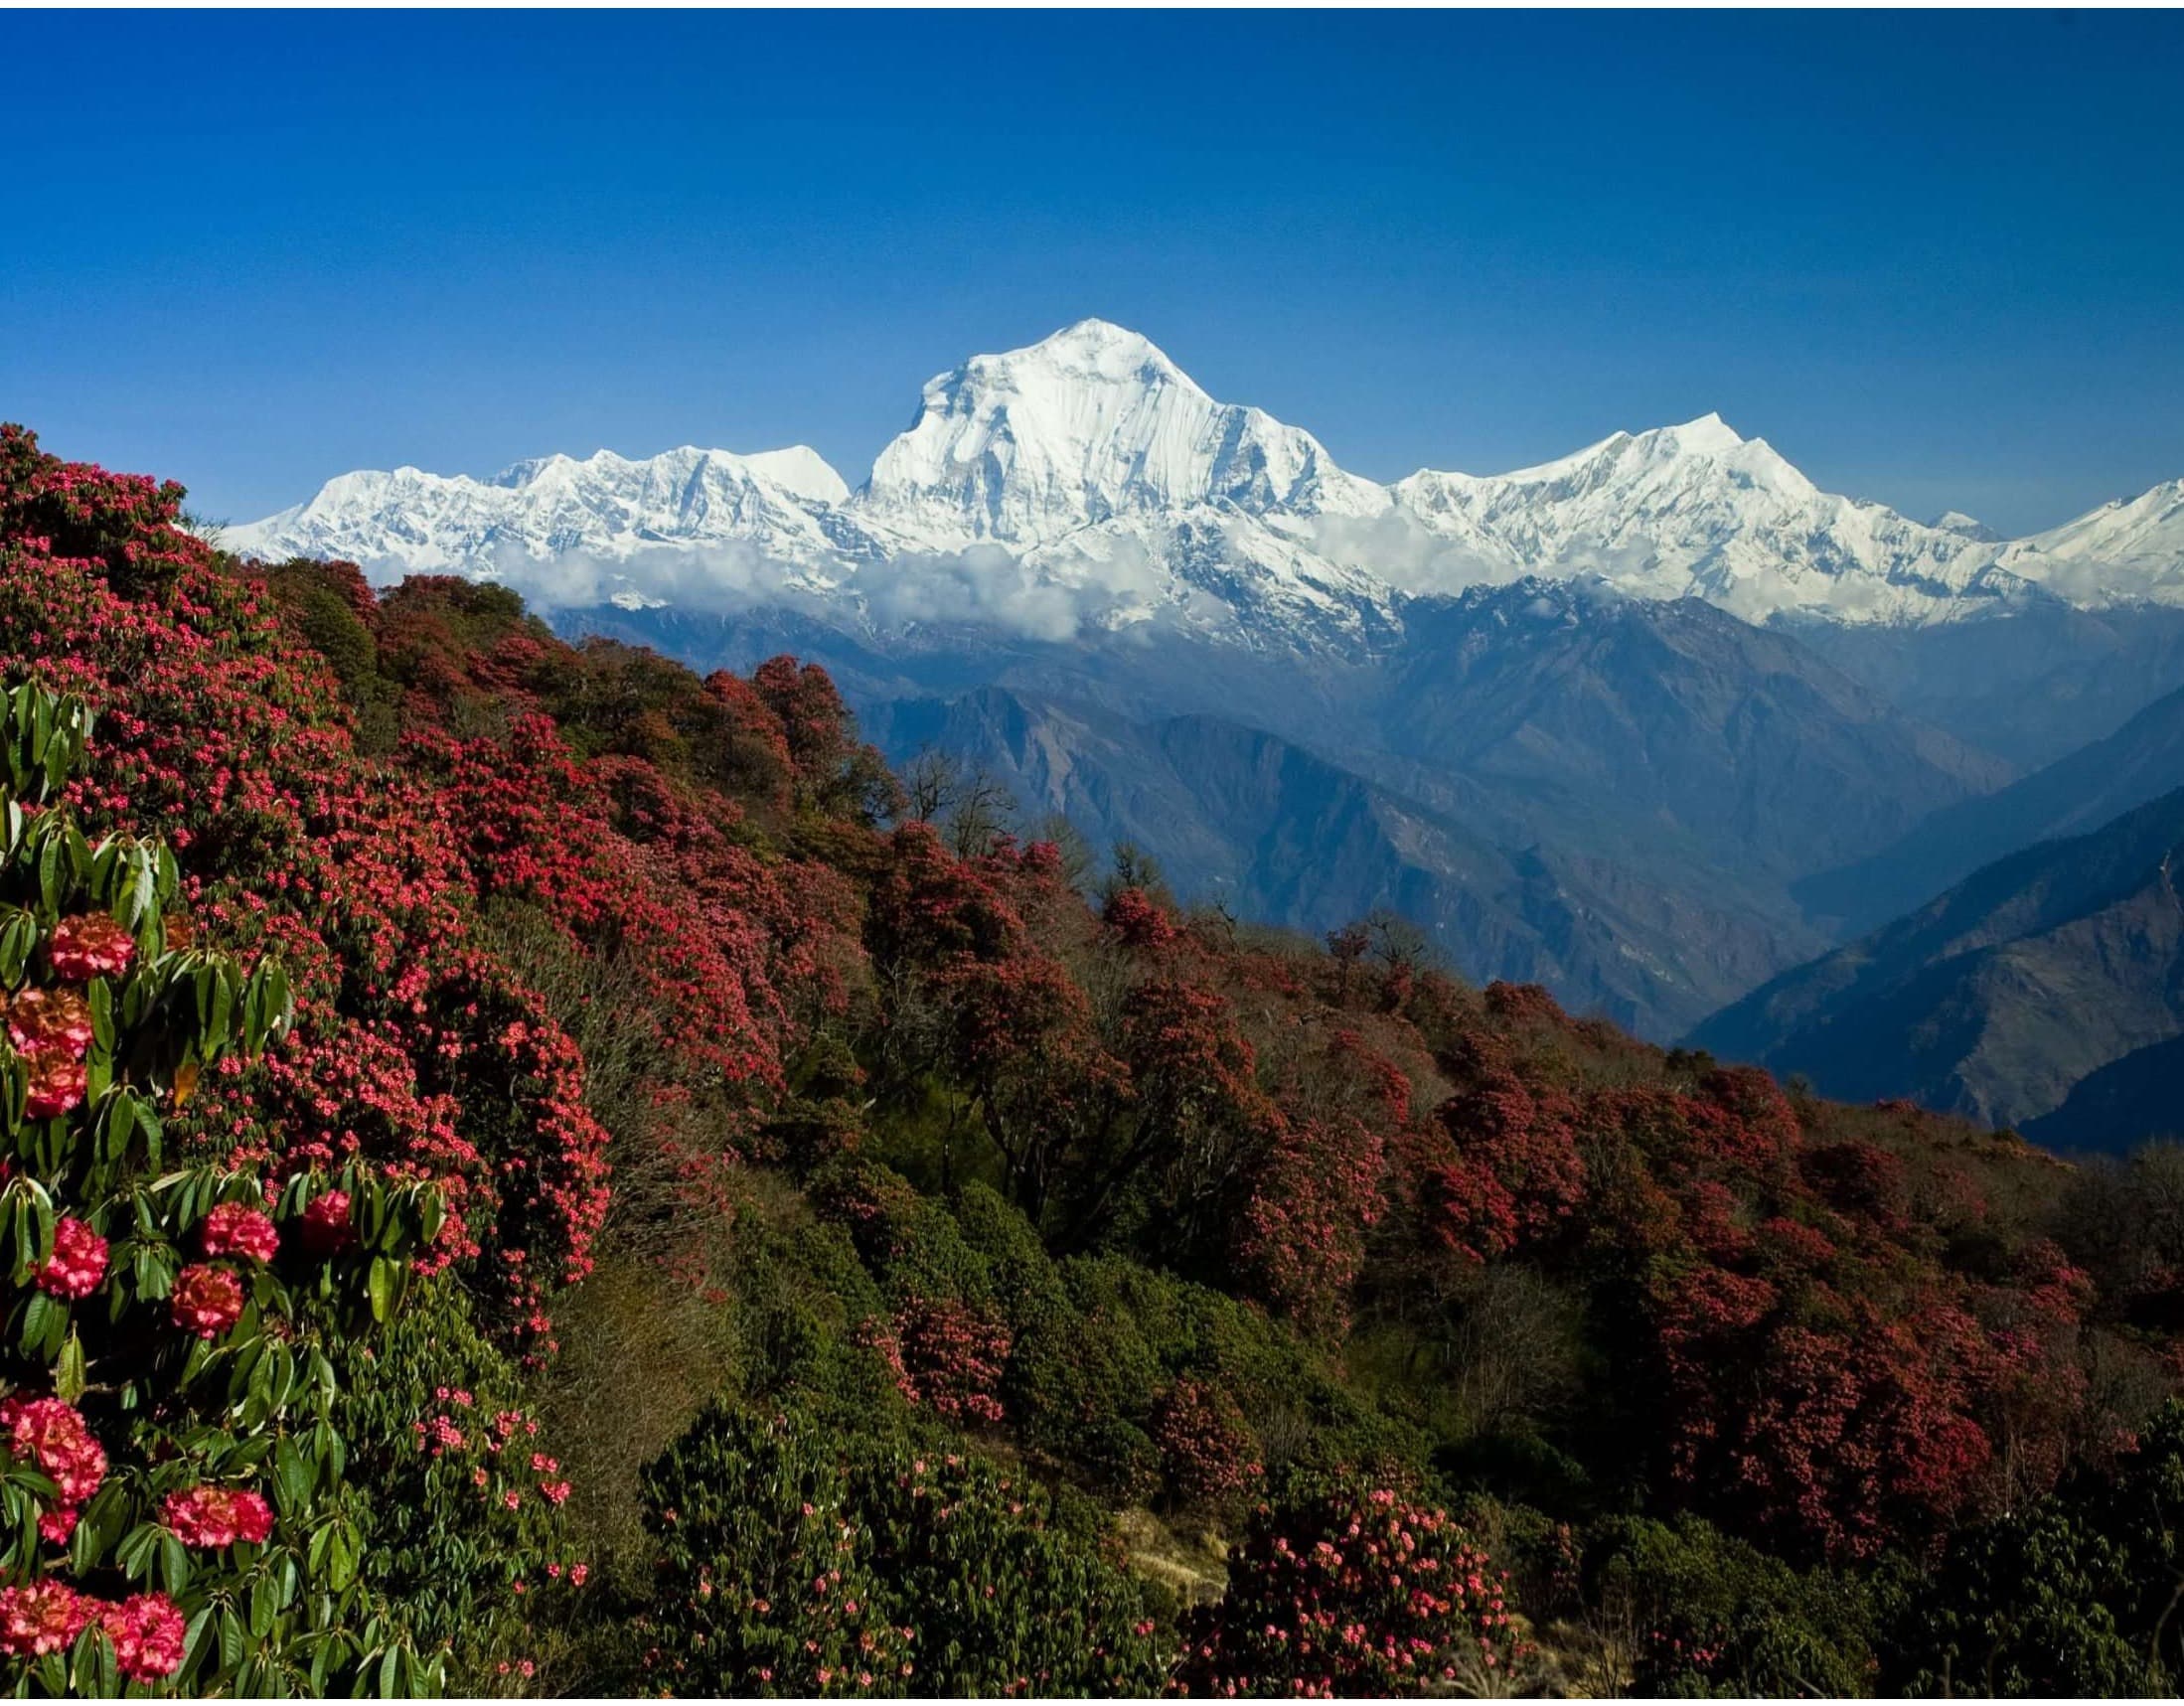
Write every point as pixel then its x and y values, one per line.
pixel 1086 482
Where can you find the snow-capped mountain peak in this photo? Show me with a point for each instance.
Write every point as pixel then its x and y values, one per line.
pixel 2134 543
pixel 1087 479
pixel 1091 423
pixel 1707 436
pixel 1698 509
pixel 1971 527
pixel 537 510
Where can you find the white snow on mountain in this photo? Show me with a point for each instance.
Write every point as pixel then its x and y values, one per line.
pixel 605 505
pixel 1697 511
pixel 1971 527
pixel 1091 424
pixel 2128 549
pixel 1087 481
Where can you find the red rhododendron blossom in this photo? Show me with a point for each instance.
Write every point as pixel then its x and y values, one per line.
pixel 233 1230
pixel 326 1223
pixel 207 1300
pixel 55 1526
pixel 77 1263
pixel 50 1021
pixel 57 1085
pixel 147 1632
pixel 88 947
pixel 1138 920
pixel 52 1436
pixel 217 1517
pixel 42 1618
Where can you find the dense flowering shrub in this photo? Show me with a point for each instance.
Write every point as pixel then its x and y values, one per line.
pixel 1713 1617
pixel 1352 1592
pixel 795 1562
pixel 1137 920
pixel 409 1047
pixel 1313 1195
pixel 951 1356
pixel 156 1407
pixel 1207 1452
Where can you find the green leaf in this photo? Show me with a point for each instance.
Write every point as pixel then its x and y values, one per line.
pixel 69 1379
pixel 173 1564
pixel 292 1479
pixel 40 1315
pixel 384 1278
pixel 100 998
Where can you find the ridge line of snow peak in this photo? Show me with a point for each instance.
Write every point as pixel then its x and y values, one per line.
pixel 1088 481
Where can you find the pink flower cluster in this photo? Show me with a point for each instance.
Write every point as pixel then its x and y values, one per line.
pixel 57 1086
pixel 50 1021
pixel 77 1263
pixel 216 1516
pixel 46 1616
pixel 52 1436
pixel 89 946
pixel 233 1230
pixel 51 1030
pixel 207 1300
pixel 326 1223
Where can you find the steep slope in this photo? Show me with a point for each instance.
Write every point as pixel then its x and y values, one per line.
pixel 1279 835
pixel 1997 998
pixel 2125 1104
pixel 1670 766
pixel 899 1224
pixel 1609 710
pixel 2139 762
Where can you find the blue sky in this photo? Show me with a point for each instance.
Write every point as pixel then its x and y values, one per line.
pixel 1936 258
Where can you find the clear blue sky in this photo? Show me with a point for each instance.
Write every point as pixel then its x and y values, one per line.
pixel 1937 259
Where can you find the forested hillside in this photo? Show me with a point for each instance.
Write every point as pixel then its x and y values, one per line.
pixel 531 1172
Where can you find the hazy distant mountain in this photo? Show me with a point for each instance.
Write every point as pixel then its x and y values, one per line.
pixel 1630 714
pixel 2000 997
pixel 2029 685
pixel 2126 1103
pixel 1281 834
pixel 2079 792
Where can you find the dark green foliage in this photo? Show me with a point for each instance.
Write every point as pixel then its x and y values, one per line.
pixel 801 1562
pixel 2079 1593
pixel 444 1544
pixel 1713 1617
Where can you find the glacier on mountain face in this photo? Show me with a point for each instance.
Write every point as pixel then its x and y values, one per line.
pixel 1086 482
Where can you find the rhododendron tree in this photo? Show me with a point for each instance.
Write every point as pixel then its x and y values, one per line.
pixel 1207 1452
pixel 793 1561
pixel 1355 1592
